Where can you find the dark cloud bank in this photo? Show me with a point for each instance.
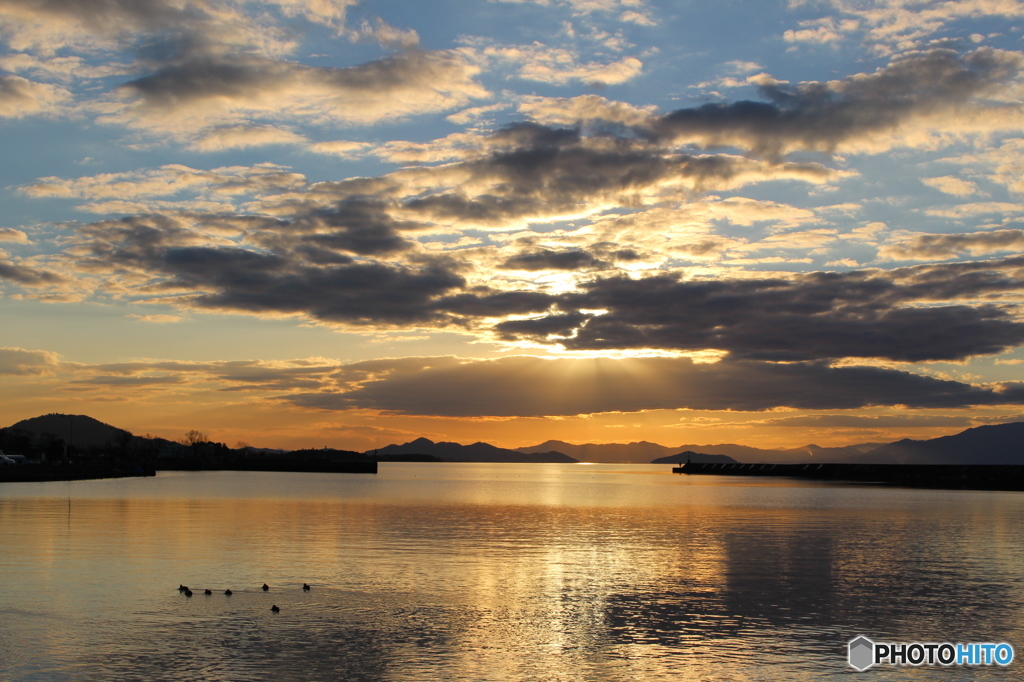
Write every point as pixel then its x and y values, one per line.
pixel 534 387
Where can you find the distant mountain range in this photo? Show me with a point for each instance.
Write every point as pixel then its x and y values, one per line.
pixel 644 452
pixel 992 444
pixel 477 452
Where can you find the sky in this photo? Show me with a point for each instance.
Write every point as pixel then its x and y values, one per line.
pixel 308 223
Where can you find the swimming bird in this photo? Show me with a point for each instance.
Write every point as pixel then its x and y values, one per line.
pixel 305 587
pixel 265 587
pixel 227 592
pixel 207 591
pixel 274 608
pixel 188 592
pixel 181 588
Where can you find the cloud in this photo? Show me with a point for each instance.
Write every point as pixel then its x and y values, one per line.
pixel 559 66
pixel 975 209
pixel 64 69
pixel 858 113
pixel 551 260
pixel 27 276
pixel 243 137
pixel 860 421
pixel 346 149
pixel 568 111
pixel 857 314
pixel 18 361
pixel 309 274
pixel 891 25
pixel 820 31
pixel 192 187
pixel 639 18
pixel 20 97
pixel 385 34
pixel 943 246
pixel 49 26
pixel 387 251
pixel 533 387
pixel 205 91
pixel 951 185
pixel 8 234
pixel 231 375
pixel 549 173
pixel 526 386
pixel 1004 160
pixel 157 319
pixel 327 12
pixel 584 7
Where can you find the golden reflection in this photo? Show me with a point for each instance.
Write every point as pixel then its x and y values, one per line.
pixel 508 572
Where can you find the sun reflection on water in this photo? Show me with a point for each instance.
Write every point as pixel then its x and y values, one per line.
pixel 504 572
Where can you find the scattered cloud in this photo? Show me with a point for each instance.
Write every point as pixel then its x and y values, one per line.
pixel 559 66
pixel 204 92
pixel 9 234
pixel 858 113
pixel 951 185
pixel 243 137
pixel 18 361
pixel 944 246
pixel 20 97
pixel 157 319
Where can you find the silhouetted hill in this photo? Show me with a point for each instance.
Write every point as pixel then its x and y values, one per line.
pixel 633 453
pixel 696 457
pixel 74 429
pixel 477 452
pixel 992 444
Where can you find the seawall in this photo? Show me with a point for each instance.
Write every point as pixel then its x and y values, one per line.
pixel 948 476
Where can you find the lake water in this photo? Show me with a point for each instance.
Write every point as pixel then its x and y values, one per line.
pixel 497 572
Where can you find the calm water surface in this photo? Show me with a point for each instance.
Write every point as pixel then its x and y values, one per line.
pixel 497 572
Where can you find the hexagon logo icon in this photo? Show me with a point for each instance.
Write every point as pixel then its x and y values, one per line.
pixel 862 653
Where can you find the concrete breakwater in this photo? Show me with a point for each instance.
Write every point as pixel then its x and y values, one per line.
pixel 279 464
pixel 949 476
pixel 39 473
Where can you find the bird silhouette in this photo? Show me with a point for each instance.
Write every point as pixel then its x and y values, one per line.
pixel 227 592
pixel 274 608
pixel 188 592
pixel 207 591
pixel 265 587
pixel 305 587
pixel 182 588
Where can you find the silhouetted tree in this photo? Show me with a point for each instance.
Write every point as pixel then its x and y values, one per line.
pixel 194 438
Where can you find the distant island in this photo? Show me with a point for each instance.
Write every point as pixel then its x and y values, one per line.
pixel 697 457
pixel 476 452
